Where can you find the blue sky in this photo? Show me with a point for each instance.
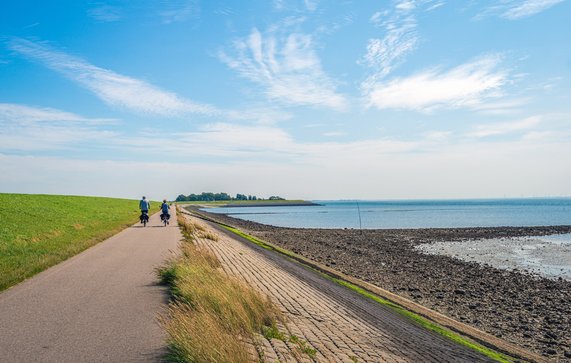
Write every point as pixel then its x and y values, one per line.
pixel 306 99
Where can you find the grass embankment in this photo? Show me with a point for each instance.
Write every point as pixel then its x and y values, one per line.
pixel 214 317
pixel 39 231
pixel 417 319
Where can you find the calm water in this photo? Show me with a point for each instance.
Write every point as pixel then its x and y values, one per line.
pixel 412 214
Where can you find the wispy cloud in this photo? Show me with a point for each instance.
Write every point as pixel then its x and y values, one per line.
pixel 527 8
pixel 401 37
pixel 467 85
pixel 180 10
pixel 105 13
pixel 503 128
pixel 298 5
pixel 22 114
pixel 287 67
pixel 400 27
pixel 518 9
pixel 113 88
pixel 30 128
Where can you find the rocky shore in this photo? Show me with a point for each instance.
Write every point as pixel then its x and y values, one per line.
pixel 518 306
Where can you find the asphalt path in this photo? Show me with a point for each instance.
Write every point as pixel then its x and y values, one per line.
pixel 99 306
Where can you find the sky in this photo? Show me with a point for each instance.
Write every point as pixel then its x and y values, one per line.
pixel 308 99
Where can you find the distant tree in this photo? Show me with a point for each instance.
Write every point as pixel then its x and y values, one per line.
pixel 209 197
pixel 181 198
pixel 222 196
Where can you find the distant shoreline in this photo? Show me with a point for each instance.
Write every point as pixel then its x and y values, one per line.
pixel 284 203
pixel 251 203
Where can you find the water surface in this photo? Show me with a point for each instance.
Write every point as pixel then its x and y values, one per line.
pixel 412 214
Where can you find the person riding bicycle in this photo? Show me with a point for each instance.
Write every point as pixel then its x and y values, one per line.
pixel 144 206
pixel 165 210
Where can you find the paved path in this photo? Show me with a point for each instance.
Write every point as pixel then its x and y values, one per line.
pixel 341 325
pixel 99 306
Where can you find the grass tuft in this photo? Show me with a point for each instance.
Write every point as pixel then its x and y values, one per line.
pixel 209 235
pixel 303 346
pixel 213 314
pixel 272 332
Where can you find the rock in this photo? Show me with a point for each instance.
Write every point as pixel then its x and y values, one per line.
pixel 459 292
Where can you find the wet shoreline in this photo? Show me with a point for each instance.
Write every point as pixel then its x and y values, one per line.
pixel 519 306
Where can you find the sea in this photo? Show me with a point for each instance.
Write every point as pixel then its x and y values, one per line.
pixel 546 256
pixel 411 213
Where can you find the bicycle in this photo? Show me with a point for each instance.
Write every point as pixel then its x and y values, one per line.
pixel 144 218
pixel 165 219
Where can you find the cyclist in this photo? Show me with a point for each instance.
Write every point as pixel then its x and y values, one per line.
pixel 144 206
pixel 165 210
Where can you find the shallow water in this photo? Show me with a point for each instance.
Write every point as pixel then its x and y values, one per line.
pixel 412 214
pixel 546 256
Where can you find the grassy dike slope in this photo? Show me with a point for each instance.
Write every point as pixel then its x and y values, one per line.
pixel 39 231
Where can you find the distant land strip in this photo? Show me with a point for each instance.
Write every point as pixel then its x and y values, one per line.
pixel 273 203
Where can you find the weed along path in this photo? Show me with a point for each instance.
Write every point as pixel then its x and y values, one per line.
pixel 99 306
pixel 335 323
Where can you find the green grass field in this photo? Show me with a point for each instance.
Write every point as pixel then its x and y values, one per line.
pixel 39 231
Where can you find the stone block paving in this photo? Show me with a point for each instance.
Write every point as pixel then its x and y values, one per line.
pixel 335 322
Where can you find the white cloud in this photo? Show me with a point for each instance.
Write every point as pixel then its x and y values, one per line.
pixel 467 85
pixel 519 9
pixel 375 169
pixel 31 129
pixel 105 13
pixel 113 88
pixel 436 5
pixel 503 128
pixel 405 5
pixel 400 39
pixel 287 67
pixel 18 114
pixel 298 6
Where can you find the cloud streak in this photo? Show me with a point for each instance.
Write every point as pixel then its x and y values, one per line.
pixel 504 128
pixel 27 128
pixel 113 88
pixel 524 9
pixel 287 67
pixel 21 114
pixel 400 39
pixel 467 85
pixel 518 9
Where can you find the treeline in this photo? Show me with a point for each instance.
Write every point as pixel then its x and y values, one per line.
pixel 212 197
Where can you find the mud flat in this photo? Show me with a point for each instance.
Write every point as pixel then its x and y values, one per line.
pixel 547 256
pixel 519 306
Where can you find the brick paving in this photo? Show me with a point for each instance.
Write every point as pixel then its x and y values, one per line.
pixel 337 323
